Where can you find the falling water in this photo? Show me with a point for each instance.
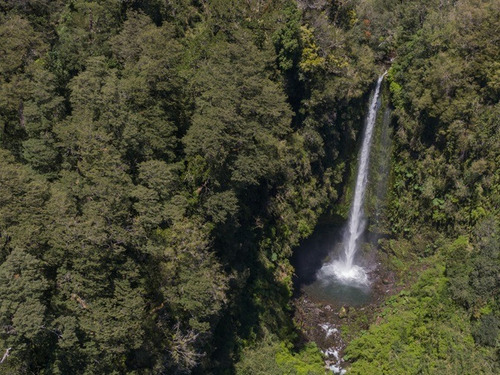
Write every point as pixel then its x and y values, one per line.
pixel 344 268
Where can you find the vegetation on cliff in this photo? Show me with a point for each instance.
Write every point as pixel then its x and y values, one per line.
pixel 444 205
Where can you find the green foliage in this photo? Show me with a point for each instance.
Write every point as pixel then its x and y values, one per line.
pixel 421 332
pixel 310 60
pixel 31 104
pixel 151 177
pixel 487 330
pixel 154 182
pixel 272 357
pixel 240 116
pixel 23 309
pixel 83 30
pixel 473 271
pixel 160 160
pixel 287 39
pixel 23 194
pixel 447 149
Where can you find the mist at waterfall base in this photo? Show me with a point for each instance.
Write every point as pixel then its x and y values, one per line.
pixel 343 278
pixel 321 248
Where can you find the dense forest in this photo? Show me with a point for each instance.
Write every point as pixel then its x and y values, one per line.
pixel 161 160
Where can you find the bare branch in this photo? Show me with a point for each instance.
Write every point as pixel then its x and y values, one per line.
pixel 182 348
pixel 6 354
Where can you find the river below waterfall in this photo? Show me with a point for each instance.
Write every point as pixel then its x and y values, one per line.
pixel 323 308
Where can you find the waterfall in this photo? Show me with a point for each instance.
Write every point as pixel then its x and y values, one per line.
pixel 344 268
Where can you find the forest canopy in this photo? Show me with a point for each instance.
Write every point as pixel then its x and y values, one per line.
pixel 160 161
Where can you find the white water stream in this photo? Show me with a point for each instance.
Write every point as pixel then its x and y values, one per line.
pixel 344 268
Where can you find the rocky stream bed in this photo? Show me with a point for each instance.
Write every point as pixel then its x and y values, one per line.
pixel 331 325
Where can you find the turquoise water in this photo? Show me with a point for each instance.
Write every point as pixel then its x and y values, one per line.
pixel 334 292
